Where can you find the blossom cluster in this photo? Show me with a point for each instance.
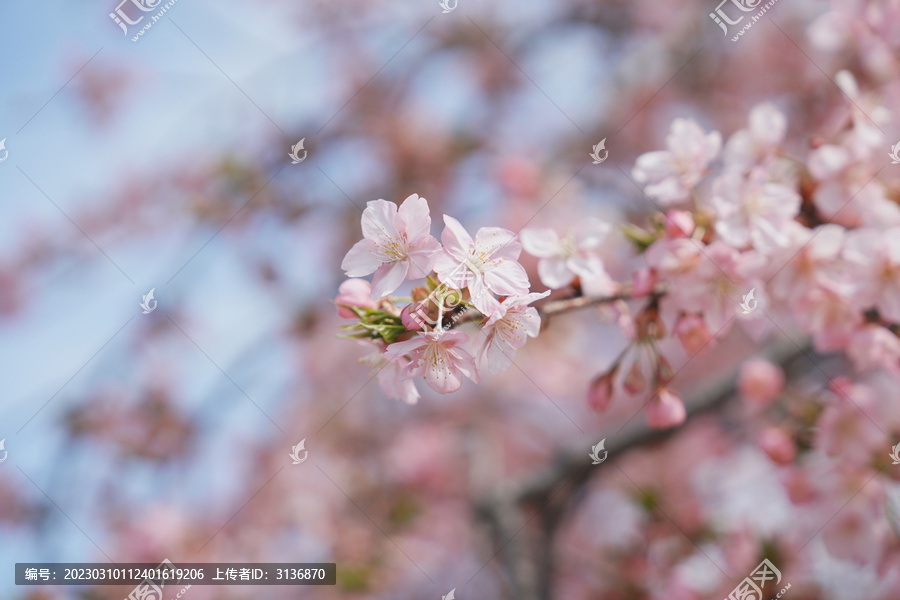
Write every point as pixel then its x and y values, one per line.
pixel 462 279
pixel 814 241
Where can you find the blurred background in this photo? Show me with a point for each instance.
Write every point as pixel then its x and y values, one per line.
pixel 163 164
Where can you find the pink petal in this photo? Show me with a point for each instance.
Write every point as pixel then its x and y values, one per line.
pixel 497 242
pixel 555 273
pixel 361 259
pixel 456 239
pixel 388 278
pixel 507 278
pixel 417 217
pixel 422 257
pixel 440 372
pixel 541 242
pixel 398 349
pixel 379 219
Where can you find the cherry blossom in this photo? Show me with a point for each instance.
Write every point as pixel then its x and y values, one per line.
pixel 753 211
pixel 485 264
pixel 562 259
pixel 390 377
pixel 507 330
pixel 670 174
pixel 437 357
pixel 397 244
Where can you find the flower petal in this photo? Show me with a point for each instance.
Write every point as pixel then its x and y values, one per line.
pixel 416 217
pixel 361 259
pixel 388 278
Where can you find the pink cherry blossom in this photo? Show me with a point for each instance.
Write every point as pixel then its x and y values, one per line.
pixel 665 410
pixel 874 259
pixel 670 174
pixel 353 292
pixel 573 255
pixel 507 330
pixel 810 259
pixel 390 377
pixel 752 211
pixel 760 382
pixel 397 244
pixel 437 357
pixel 829 315
pixel 875 347
pixel 759 142
pixel 485 264
pixel 693 333
pixel 778 445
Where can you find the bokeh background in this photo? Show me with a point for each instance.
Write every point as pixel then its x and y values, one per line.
pixel 163 164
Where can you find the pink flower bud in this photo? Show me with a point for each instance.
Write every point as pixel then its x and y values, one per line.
pixel 413 316
pixel 634 381
pixel 760 382
pixel 642 282
pixel 665 410
pixel 679 224
pixel 778 445
pixel 600 393
pixel 692 333
pixel 353 292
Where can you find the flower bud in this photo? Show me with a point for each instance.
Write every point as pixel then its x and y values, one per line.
pixel 679 224
pixel 353 292
pixel 600 392
pixel 665 410
pixel 692 333
pixel 760 382
pixel 635 382
pixel 778 445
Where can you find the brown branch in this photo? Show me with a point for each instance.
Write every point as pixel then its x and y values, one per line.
pixel 556 489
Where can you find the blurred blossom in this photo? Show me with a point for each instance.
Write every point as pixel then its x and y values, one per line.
pixel 353 292
pixel 760 382
pixel 665 410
